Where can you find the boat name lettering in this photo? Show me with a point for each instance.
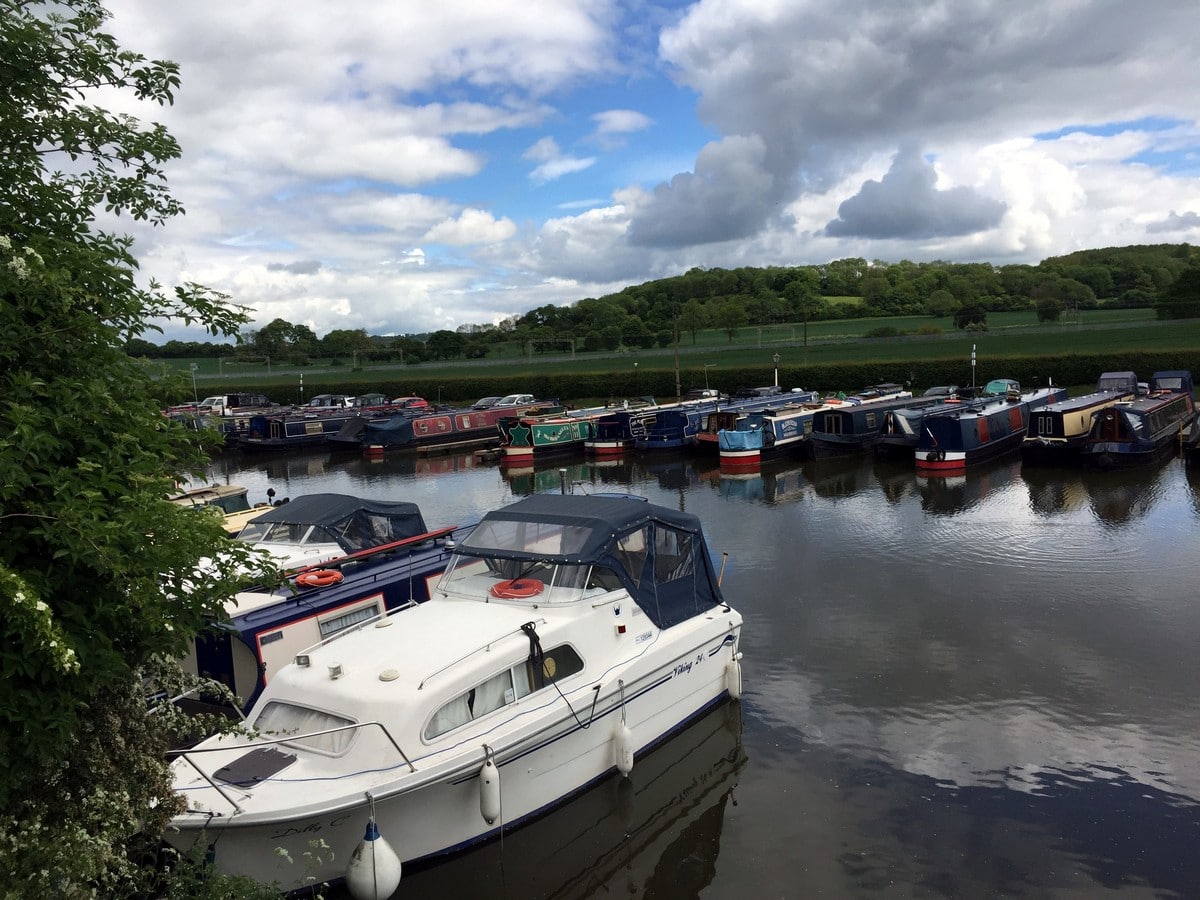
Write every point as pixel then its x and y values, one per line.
pixel 642 638
pixel 311 828
pixel 683 668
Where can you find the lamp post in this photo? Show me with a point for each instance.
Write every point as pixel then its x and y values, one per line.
pixel 776 359
pixel 195 396
pixel 635 379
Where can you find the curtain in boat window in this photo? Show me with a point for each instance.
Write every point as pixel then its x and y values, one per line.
pixel 450 716
pixel 492 694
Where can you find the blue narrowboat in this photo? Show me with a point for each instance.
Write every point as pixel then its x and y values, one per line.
pixel 851 429
pixel 950 441
pixel 784 431
pixel 1143 430
pixel 441 429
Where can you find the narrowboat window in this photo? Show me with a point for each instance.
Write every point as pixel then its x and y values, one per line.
pixel 280 719
pixel 331 625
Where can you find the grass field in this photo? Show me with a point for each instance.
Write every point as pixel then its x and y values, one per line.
pixel 1009 336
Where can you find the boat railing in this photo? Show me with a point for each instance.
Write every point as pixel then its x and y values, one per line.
pixel 381 549
pixel 482 648
pixel 255 743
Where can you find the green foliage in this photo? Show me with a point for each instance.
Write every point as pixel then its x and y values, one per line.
pixel 1182 299
pixel 971 316
pixel 1049 309
pixel 98 573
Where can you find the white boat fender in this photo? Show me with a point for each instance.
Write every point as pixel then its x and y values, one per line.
pixel 623 748
pixel 373 872
pixel 489 787
pixel 733 677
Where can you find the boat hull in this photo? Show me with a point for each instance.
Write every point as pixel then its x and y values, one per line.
pixel 951 441
pixel 423 818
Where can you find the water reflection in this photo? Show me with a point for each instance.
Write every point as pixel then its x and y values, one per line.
pixel 970 687
pixel 1121 496
pixel 952 495
pixel 1053 491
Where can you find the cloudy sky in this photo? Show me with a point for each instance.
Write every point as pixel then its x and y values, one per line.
pixel 403 167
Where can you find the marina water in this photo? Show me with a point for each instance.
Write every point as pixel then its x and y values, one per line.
pixel 973 686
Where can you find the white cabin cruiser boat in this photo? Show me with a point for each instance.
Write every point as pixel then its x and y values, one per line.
pixel 316 528
pixel 568 635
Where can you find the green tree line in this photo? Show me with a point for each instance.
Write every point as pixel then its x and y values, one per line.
pixel 656 313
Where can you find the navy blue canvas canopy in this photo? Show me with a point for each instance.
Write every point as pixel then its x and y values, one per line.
pixel 659 554
pixel 352 522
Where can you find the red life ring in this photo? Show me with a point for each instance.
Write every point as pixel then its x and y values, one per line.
pixel 517 588
pixel 319 578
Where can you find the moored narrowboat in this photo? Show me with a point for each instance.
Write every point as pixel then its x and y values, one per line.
pixel 952 440
pixel 1144 430
pixel 850 429
pixel 773 433
pixel 1057 431
pixel 524 439
pixel 442 429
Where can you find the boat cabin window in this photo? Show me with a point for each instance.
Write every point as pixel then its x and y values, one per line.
pixel 559 663
pixel 504 688
pixel 672 555
pixel 604 579
pixel 498 691
pixel 631 551
pixel 279 719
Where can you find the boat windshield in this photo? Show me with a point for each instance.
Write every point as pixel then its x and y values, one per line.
pixel 537 581
pixel 297 533
pixel 517 536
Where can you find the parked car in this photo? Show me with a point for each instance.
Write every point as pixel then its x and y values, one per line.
pixel 747 393
pixel 410 402
pixel 941 390
pixel 515 400
pixel 485 402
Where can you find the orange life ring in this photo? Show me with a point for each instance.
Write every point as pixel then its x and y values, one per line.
pixel 517 588
pixel 319 578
